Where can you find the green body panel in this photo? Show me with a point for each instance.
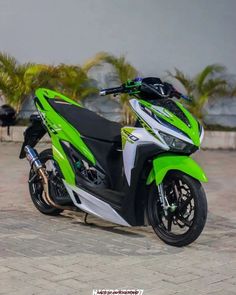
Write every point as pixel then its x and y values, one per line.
pixel 60 157
pixel 61 130
pixel 192 130
pixel 165 163
pixel 40 92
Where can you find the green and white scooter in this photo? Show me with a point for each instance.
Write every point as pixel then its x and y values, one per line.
pixel 132 175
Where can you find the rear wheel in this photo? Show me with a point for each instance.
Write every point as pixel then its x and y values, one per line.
pixel 36 187
pixel 184 221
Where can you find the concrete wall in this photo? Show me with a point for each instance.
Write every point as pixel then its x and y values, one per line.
pixel 221 112
pixel 212 139
pixel 156 35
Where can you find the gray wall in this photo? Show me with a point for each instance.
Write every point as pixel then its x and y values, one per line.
pixel 156 35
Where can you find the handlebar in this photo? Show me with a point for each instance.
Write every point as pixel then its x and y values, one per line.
pixel 185 97
pixel 133 87
pixel 180 95
pixel 114 90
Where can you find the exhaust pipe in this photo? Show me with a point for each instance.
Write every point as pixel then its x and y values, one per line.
pixel 35 163
pixel 32 157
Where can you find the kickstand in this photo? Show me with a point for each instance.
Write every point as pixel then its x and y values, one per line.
pixel 85 218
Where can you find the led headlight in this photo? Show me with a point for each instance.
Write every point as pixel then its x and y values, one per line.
pixel 173 142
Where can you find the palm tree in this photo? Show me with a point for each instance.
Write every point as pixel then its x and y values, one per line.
pixel 69 79
pixel 208 84
pixel 12 80
pixel 75 82
pixel 19 81
pixel 124 71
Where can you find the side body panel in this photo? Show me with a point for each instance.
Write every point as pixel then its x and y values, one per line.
pixel 93 205
pixel 61 131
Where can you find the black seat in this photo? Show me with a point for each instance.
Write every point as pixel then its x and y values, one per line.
pixel 88 123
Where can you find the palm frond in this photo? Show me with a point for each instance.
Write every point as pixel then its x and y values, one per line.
pixel 216 87
pixel 187 82
pixel 208 84
pixel 74 81
pixel 95 61
pixel 8 63
pixel 124 71
pixel 87 91
pixel 123 68
pixel 6 85
pixel 208 72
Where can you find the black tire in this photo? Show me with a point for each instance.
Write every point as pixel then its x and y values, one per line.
pixel 156 215
pixel 36 189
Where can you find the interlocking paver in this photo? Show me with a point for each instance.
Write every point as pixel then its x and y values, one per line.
pixel 61 255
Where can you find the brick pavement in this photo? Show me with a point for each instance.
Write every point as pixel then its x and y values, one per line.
pixel 61 255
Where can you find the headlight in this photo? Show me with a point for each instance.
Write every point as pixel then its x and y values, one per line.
pixel 173 142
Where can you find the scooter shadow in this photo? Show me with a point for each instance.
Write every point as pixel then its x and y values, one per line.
pixel 111 228
pixel 79 218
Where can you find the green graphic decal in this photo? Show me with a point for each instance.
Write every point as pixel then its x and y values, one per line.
pixel 147 126
pixel 126 135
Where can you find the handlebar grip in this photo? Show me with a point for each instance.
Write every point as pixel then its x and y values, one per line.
pixel 102 92
pixel 114 90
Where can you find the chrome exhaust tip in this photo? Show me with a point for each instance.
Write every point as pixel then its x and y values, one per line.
pixel 32 157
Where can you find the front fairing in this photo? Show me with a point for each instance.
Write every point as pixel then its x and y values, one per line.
pixel 169 118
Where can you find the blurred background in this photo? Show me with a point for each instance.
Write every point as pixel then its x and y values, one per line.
pixel 77 47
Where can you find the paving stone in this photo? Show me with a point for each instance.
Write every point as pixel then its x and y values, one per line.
pixel 61 255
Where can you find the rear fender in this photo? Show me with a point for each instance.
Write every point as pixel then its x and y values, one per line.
pixel 165 163
pixel 33 133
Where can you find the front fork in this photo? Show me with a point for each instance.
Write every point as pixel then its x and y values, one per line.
pixel 164 201
pixel 171 162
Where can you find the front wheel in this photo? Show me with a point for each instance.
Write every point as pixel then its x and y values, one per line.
pixel 183 222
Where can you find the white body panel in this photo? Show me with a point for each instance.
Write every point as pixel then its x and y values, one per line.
pixel 93 205
pixel 129 151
